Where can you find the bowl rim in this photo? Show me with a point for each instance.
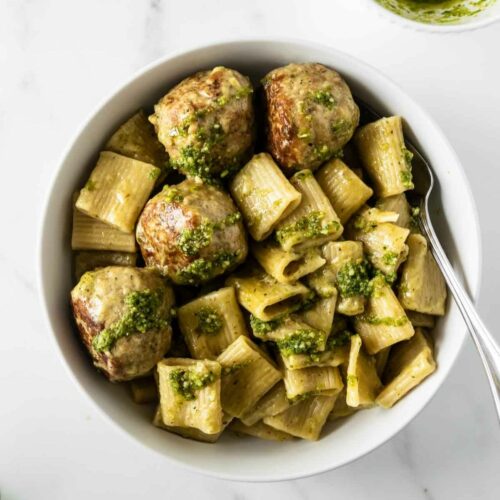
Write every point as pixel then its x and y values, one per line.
pixel 476 23
pixel 44 220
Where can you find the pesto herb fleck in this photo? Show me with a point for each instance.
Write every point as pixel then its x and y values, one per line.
pixel 172 194
pixel 385 320
pixel 142 314
pixel 324 97
pixel 90 185
pixel 191 241
pixel 209 320
pixel 154 173
pixel 354 278
pixel 260 327
pixel 390 258
pixel 338 339
pixel 309 226
pixel 302 342
pixel 187 383
pixel 202 270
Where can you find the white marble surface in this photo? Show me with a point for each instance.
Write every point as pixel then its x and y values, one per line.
pixel 58 59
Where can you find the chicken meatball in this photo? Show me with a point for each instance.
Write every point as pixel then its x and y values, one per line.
pixel 123 315
pixel 206 123
pixel 310 115
pixel 191 232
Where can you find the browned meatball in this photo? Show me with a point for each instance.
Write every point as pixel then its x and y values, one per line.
pixel 310 114
pixel 123 315
pixel 206 123
pixel 191 233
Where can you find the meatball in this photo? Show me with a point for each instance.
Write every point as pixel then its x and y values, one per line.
pixel 191 232
pixel 123 315
pixel 206 123
pixel 310 114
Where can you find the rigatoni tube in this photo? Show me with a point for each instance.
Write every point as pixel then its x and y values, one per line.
pixel 313 222
pixel 264 195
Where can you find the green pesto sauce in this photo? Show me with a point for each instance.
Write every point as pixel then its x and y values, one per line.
pixel 390 258
pixel 324 97
pixel 386 321
pixel 301 397
pixel 302 342
pixel 363 224
pixel 437 11
pixel 202 270
pixel 309 226
pixel 172 194
pixel 414 215
pixel 338 339
pixel 154 173
pixel 354 279
pixel 142 314
pixel 209 320
pixel 303 175
pixel 260 327
pixel 191 241
pixel 341 127
pixel 187 383
pixel 90 185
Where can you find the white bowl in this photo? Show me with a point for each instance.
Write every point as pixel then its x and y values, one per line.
pixel 483 19
pixel 251 459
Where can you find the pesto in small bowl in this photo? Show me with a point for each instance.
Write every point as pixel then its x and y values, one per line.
pixel 437 11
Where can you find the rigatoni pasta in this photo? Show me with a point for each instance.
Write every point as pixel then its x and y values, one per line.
pixel 190 394
pixel 382 150
pixel 345 190
pixel 422 287
pixel 384 321
pixel 287 267
pixel 313 222
pixel 304 419
pixel 363 383
pixel 89 233
pixel 136 139
pixel 211 323
pixel 409 363
pixel 263 296
pixel 264 195
pixel 247 374
pixel 117 190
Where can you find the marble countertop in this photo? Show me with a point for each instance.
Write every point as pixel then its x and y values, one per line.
pixel 58 59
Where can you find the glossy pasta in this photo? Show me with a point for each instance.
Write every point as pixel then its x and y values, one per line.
pixel 311 294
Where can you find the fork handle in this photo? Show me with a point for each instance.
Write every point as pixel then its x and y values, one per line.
pixel 488 348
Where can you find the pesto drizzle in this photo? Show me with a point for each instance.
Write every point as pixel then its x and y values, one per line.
pixel 209 320
pixel 142 314
pixel 187 383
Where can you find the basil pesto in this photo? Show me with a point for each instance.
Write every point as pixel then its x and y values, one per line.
pixel 437 11
pixel 324 97
pixel 142 314
pixel 302 342
pixel 338 339
pixel 209 321
pixel 187 382
pixel 385 320
pixel 260 327
pixel 309 226
pixel 202 269
pixel 354 278
pixel 191 241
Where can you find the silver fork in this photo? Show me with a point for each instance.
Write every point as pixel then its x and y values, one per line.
pixel 488 348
